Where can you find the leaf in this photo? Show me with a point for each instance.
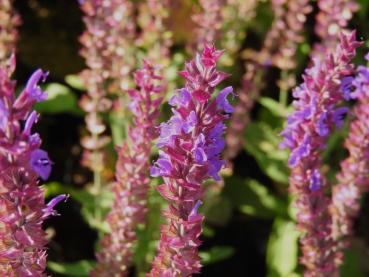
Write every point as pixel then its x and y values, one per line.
pixel 355 260
pixel 217 210
pixel 263 144
pixel 60 100
pixel 216 254
pixel 80 268
pixel 74 81
pixel 94 207
pixel 274 107
pixel 254 199
pixel 282 249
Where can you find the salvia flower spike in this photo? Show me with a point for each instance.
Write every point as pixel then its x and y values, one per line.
pixel 106 49
pixel 190 144
pixel 308 128
pixel 132 171
pixel 332 18
pixel 9 21
pixel 22 162
pixel 353 179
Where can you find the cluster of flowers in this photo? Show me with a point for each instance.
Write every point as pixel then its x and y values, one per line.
pixel 22 205
pixel 132 172
pixel 316 114
pixel 190 145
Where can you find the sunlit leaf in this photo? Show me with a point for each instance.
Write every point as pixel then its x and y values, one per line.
pixel 282 249
pixel 60 100
pixel 216 254
pixel 254 199
pixel 263 143
pixel 74 81
pixel 80 268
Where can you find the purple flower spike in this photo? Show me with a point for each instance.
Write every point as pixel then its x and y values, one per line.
pixel 22 203
pixel 41 163
pixel 353 178
pixel 317 114
pixel 190 145
pixel 132 170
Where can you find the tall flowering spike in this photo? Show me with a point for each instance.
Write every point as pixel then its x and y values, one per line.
pixel 155 36
pixel 22 162
pixel 308 127
pixel 106 48
pixel 190 145
pixel 209 22
pixel 236 14
pixel 332 19
pixel 279 50
pixel 132 171
pixel 9 21
pixel 353 179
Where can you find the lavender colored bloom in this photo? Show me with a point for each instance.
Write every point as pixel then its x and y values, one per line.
pixel 41 163
pixel 190 152
pixel 308 128
pixel 222 100
pixel 346 87
pixel 315 181
pixel 32 88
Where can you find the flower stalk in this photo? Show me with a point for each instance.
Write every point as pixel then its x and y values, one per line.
pixel 22 162
pixel 316 114
pixel 132 171
pixel 190 146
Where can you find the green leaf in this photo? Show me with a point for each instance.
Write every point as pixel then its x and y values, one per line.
pixel 274 107
pixel 92 205
pixel 355 261
pixel 254 199
pixel 74 81
pixel 216 254
pixel 263 144
pixel 80 268
pixel 217 210
pixel 60 100
pixel 282 249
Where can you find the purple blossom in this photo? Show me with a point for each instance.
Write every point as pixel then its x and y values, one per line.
pixel 32 88
pixel 315 180
pixel 41 163
pixel 222 100
pixel 346 87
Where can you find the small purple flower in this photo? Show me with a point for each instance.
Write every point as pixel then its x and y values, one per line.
pixel 32 88
pixel 222 101
pixel 339 115
pixel 346 87
pixel 49 210
pixel 315 180
pixel 162 167
pixel 190 122
pixel 182 99
pixel 322 125
pixel 32 118
pixel 41 163
pixel 3 115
